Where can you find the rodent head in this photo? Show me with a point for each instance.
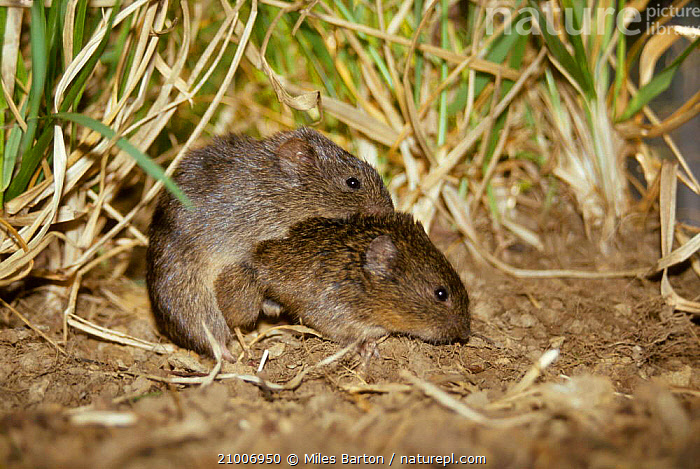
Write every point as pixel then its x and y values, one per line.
pixel 334 182
pixel 416 289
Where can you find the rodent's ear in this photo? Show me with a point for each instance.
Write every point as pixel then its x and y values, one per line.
pixel 381 256
pixel 295 153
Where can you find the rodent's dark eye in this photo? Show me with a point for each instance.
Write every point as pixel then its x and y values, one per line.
pixel 441 294
pixel 353 183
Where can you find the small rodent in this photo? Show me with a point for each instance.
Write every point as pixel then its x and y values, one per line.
pixel 243 191
pixel 362 277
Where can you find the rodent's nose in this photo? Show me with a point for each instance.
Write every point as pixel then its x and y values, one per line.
pixel 464 330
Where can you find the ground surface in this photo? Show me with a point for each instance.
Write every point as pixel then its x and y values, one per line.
pixel 624 392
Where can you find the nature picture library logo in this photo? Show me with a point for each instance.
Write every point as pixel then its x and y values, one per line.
pixel 629 21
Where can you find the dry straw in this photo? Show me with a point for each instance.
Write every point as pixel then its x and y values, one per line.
pixel 473 114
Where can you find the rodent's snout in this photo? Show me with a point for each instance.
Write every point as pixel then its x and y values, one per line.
pixel 444 333
pixel 377 209
pixel 464 333
pixel 461 329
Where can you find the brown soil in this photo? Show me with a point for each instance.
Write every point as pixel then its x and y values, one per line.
pixel 624 392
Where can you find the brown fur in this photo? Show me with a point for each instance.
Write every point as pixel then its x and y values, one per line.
pixel 363 277
pixel 244 191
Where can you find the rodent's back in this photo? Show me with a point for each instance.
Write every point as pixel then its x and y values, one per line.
pixel 365 276
pixel 250 190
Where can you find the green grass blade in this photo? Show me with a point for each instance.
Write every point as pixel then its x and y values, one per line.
pixel 517 50
pixel 444 43
pixel 553 90
pixel 3 24
pixel 558 50
pixel 493 141
pixel 37 39
pixel 493 204
pixel 9 156
pixel 383 69
pixel 621 71
pixel 418 69
pixel 31 158
pixel 147 164
pixel 573 15
pixel 657 85
pixel 54 45
pixel 79 26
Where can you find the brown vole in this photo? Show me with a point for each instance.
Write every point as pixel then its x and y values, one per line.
pixel 243 191
pixel 363 277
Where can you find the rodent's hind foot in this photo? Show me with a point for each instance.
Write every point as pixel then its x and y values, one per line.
pixel 367 349
pixel 217 345
pixel 271 308
pixel 227 355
